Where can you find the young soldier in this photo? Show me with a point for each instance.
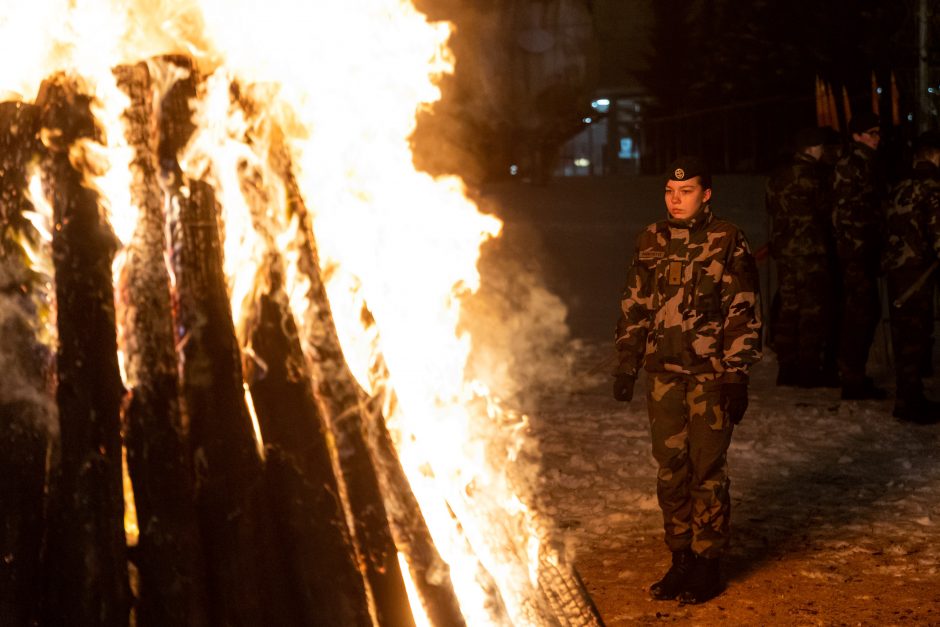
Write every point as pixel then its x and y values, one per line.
pixel 800 239
pixel 858 222
pixel 913 245
pixel 690 316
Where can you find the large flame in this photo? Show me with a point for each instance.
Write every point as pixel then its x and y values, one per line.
pixel 343 82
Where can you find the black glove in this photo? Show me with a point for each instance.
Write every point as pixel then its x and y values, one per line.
pixel 733 401
pixel 623 386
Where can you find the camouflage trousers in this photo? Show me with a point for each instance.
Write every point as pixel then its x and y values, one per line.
pixel 804 321
pixel 690 436
pixel 860 314
pixel 911 331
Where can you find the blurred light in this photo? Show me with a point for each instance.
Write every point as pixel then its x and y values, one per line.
pixel 601 105
pixel 879 90
pixel 910 117
pixel 626 148
pixel 589 120
pixel 513 170
pixel 930 90
pixel 582 162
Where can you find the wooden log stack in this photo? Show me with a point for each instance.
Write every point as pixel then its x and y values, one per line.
pixel 299 524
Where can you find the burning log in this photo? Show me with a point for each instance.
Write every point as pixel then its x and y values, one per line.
pixel 340 397
pixel 298 465
pixel 303 489
pixel 228 467
pixel 86 552
pixel 410 529
pixel 430 573
pixel 169 556
pixel 27 407
pixel 246 586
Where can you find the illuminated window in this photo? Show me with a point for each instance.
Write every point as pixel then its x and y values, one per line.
pixel 626 148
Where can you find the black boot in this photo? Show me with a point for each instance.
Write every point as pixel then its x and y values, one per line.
pixel 674 581
pixel 704 583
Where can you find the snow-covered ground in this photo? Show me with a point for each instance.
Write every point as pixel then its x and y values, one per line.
pixel 836 505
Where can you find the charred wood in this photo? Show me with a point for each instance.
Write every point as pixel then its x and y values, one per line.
pixel 86 552
pixel 245 586
pixel 299 473
pixel 225 454
pixel 168 556
pixel 28 421
pixel 566 594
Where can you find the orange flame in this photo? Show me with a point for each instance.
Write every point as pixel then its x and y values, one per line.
pixel 343 81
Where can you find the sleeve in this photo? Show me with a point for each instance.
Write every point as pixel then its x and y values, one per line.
pixel 858 218
pixel 635 315
pixel 933 216
pixel 740 305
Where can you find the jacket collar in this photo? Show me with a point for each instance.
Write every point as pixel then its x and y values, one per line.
pixel 696 222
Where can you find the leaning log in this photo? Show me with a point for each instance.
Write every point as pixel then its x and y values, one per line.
pixel 86 552
pixel 300 482
pixel 28 420
pixel 168 556
pixel 246 584
pixel 339 396
pixel 411 532
pixel 245 587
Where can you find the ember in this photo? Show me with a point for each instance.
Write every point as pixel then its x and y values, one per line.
pixel 262 312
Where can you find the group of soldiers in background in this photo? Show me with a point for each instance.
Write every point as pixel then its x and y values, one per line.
pixel 836 228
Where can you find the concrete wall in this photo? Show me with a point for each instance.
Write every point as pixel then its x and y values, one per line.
pixel 579 233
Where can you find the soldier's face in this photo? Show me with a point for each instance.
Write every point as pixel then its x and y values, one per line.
pixel 684 199
pixel 870 138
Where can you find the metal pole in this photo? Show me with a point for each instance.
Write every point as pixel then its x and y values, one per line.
pixel 923 100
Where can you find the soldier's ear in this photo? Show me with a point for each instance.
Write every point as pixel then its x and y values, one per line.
pixel 707 196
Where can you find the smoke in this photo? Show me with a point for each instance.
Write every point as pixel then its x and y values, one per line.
pixel 520 338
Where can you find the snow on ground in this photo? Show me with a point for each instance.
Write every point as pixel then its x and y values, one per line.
pixel 835 505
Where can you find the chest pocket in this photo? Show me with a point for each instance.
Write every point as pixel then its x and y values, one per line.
pixel 705 297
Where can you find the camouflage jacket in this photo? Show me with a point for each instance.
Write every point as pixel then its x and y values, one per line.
pixel 691 302
pixel 913 220
pixel 857 193
pixel 800 218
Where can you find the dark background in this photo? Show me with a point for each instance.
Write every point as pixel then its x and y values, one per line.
pixel 733 80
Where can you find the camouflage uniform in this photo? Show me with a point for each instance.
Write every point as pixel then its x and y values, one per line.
pixel 858 224
pixel 690 316
pixel 800 244
pixel 913 226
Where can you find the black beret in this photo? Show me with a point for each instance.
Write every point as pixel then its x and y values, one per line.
pixel 810 136
pixel 685 168
pixel 863 121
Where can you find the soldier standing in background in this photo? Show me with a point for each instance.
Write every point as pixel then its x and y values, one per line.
pixel 858 222
pixel 691 317
pixel 911 254
pixel 800 244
